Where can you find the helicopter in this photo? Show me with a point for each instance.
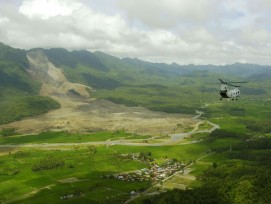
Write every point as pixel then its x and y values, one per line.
pixel 229 93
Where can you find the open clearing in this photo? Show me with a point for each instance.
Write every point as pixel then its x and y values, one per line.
pixel 71 180
pixel 81 113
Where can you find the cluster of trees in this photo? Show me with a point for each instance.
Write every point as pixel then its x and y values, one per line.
pixel 142 156
pixel 21 154
pixel 48 163
pixel 9 171
pixel 244 178
pixel 16 104
pixel 203 195
pixel 7 132
pixel 145 156
pixel 255 150
pixel 219 133
pixel 92 149
pixel 240 182
pixel 262 126
pixel 174 108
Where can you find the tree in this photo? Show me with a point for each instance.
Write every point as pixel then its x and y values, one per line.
pixel 8 131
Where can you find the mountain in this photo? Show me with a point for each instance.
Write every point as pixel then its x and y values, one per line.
pixel 19 93
pixel 129 81
pixel 104 71
pixel 157 86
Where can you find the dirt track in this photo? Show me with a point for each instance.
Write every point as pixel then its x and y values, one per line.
pixel 80 113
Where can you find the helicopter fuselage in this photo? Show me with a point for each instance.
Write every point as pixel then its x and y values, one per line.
pixel 226 93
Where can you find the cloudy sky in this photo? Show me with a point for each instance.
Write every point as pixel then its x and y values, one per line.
pixel 182 31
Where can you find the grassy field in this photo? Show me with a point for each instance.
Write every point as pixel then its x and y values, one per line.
pixel 29 175
pixel 80 162
pixel 64 137
pixel 19 183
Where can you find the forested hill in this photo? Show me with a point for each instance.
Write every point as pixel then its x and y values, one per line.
pixel 130 81
pixel 19 93
pixel 157 86
pixel 87 67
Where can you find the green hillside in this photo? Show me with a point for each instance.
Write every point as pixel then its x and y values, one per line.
pixel 18 92
pixel 171 88
pixel 158 86
pixel 230 165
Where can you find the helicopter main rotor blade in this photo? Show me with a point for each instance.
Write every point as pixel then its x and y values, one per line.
pixel 233 85
pixel 236 82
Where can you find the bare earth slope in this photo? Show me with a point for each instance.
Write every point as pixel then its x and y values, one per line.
pixel 80 113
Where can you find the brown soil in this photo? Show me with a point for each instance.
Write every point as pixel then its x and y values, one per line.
pixel 81 113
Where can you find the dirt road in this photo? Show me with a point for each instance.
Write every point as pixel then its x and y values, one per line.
pixel 132 142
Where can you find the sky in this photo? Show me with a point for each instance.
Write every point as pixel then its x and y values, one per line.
pixel 183 31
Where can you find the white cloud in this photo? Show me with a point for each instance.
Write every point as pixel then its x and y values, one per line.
pixel 184 31
pixel 48 8
pixel 168 13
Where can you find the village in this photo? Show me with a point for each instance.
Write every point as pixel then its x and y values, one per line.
pixel 154 173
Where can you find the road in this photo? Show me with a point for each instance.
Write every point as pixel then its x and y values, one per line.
pixel 155 185
pixel 175 138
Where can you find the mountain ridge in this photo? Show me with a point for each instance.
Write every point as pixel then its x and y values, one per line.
pixel 129 81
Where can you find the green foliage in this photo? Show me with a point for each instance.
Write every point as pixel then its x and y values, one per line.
pixel 239 181
pixel 65 137
pixel 9 171
pixel 262 126
pixel 11 56
pixel 8 132
pixel 100 82
pixel 203 195
pixel 239 168
pixel 48 163
pixel 21 154
pixel 15 105
pixel 220 133
pixel 231 181
pixel 18 91
pixel 89 164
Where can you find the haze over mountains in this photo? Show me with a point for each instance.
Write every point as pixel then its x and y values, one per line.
pixel 119 101
pixel 114 78
pixel 87 112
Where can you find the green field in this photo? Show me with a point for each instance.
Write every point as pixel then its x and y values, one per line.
pixel 82 163
pixel 232 164
pixel 19 183
pixel 65 137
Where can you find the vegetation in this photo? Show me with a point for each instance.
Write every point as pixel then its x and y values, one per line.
pixel 157 86
pixel 232 164
pixel 37 169
pixel 18 91
pixel 238 171
pixel 199 195
pixel 8 132
pixel 48 163
pixel 65 137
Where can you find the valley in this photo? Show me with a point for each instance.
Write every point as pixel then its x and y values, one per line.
pixel 79 112
pixel 129 131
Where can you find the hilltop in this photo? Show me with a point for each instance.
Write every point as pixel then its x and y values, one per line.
pixel 79 111
pixel 90 127
pixel 38 80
